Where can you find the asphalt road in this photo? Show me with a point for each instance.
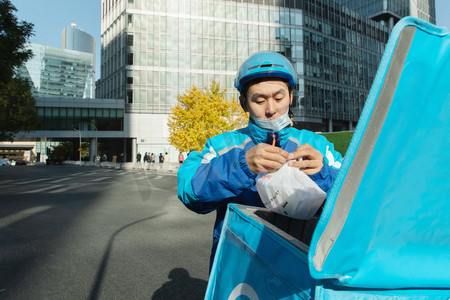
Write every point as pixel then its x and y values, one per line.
pixel 69 232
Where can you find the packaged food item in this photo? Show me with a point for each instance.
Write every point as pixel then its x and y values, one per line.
pixel 290 192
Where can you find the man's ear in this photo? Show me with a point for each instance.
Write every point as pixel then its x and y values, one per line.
pixel 291 95
pixel 243 102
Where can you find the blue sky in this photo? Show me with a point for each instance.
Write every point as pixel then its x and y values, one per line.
pixel 51 16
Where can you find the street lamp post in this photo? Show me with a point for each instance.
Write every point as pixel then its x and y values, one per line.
pixel 79 132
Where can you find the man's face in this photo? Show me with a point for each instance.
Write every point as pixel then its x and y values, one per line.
pixel 268 99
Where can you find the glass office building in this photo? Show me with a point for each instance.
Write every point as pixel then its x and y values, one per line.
pixel 154 50
pixel 390 11
pixel 59 72
pixel 341 52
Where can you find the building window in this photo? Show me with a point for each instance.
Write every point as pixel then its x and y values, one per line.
pixel 130 40
pixel 130 59
pixel 129 80
pixel 130 20
pixel 130 96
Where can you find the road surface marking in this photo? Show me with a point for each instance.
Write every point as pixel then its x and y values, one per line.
pixel 100 179
pixel 6 221
pixel 41 189
pixel 37 180
pixel 62 179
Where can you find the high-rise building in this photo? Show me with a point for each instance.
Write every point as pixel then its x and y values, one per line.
pixel 77 39
pixel 154 50
pixel 57 72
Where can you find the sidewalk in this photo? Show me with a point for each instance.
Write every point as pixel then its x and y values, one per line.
pixel 155 167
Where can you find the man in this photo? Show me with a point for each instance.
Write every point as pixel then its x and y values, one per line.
pixel 138 157
pixel 227 169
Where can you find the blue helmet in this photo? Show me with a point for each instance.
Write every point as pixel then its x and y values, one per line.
pixel 265 64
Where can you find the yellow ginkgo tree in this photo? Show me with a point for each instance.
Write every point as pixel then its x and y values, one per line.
pixel 201 114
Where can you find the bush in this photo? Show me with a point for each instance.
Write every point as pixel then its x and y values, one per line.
pixel 341 140
pixel 61 152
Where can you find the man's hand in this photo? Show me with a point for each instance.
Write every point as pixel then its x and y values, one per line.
pixel 265 158
pixel 308 159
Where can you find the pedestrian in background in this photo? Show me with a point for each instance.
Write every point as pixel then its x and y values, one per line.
pixel 180 158
pixel 166 158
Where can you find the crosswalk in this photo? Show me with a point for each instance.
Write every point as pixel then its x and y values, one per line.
pixel 71 182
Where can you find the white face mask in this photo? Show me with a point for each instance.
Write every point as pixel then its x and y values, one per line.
pixel 274 124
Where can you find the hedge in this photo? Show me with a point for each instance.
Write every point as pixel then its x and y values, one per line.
pixel 341 140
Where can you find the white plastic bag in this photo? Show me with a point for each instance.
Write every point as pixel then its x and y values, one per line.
pixel 290 192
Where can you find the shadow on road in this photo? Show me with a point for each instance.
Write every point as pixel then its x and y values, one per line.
pixel 181 286
pixel 96 289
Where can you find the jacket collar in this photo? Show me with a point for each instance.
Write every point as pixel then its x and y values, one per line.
pixel 260 135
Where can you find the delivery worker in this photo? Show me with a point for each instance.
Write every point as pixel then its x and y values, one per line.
pixel 227 169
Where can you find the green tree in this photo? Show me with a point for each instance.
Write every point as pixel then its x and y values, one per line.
pixel 14 35
pixel 85 149
pixel 62 152
pixel 17 105
pixel 17 108
pixel 201 114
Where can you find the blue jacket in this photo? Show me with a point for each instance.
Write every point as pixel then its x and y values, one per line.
pixel 220 175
